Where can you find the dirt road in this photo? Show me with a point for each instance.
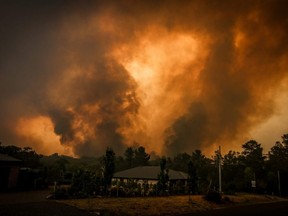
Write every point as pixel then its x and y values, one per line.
pixel 263 209
pixel 35 203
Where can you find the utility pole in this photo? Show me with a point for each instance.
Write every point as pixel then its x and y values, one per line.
pixel 219 169
pixel 279 185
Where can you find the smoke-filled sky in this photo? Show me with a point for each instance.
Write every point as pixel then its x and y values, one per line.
pixel 172 76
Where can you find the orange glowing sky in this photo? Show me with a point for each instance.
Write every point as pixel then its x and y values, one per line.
pixel 172 76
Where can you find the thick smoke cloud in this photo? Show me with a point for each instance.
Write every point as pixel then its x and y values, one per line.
pixel 170 75
pixel 245 64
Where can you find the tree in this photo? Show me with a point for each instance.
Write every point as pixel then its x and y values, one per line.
pixel 233 172
pixel 253 160
pixel 180 162
pixel 277 164
pixel 120 164
pixel 85 183
pixel 253 156
pixel 141 157
pixel 129 156
pixel 278 155
pixel 285 139
pixel 163 177
pixel 27 155
pixel 204 169
pixel 192 178
pixel 108 168
pixel 218 162
pixel 231 159
pixel 57 170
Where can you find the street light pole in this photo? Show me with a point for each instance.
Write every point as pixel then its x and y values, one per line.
pixel 219 169
pixel 279 185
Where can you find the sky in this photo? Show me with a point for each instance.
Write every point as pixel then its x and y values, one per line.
pixel 172 76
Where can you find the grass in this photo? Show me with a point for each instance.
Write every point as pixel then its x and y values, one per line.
pixel 170 205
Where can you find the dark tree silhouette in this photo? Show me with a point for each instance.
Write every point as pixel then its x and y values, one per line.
pixel 204 168
pixel 192 178
pixel 129 156
pixel 285 139
pixel 85 183
pixel 108 168
pixel 278 155
pixel 233 172
pixel 141 157
pixel 253 160
pixel 27 155
pixel 180 162
pixel 253 156
pixel 163 177
pixel 278 160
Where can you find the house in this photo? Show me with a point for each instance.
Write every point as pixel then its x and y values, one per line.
pixel 9 171
pixel 148 176
pixel 149 173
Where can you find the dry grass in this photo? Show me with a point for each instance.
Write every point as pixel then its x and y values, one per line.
pixel 170 205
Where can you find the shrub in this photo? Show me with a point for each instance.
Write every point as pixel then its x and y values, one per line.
pixel 213 196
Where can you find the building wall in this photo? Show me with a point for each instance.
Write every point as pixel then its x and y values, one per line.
pixel 4 177
pixel 13 177
pixel 8 177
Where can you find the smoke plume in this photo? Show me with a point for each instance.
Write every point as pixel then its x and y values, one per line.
pixel 173 76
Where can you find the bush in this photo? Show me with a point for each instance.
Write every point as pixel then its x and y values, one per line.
pixel 213 196
pixel 120 192
pixel 230 189
pixel 85 184
pixel 60 193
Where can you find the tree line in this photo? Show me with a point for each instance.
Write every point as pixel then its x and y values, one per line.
pixel 247 171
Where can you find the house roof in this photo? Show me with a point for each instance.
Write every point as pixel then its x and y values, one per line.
pixel 149 172
pixel 7 158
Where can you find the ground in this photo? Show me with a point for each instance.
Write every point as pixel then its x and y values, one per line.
pixel 169 205
pixel 28 203
pixel 35 203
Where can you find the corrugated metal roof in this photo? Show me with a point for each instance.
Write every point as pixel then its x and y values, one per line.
pixel 149 172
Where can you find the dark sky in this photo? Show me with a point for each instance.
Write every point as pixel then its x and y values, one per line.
pixel 173 76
